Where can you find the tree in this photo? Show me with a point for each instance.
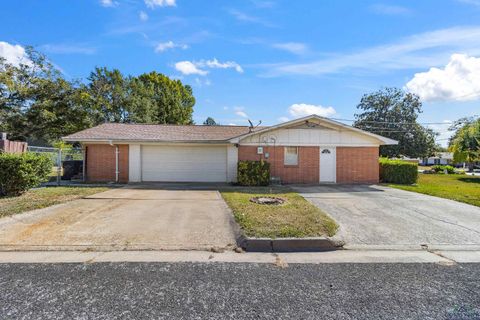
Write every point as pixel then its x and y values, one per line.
pixel 108 95
pixel 155 98
pixel 210 122
pixel 465 143
pixel 393 113
pixel 37 103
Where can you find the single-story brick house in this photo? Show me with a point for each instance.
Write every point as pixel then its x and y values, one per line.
pixel 312 149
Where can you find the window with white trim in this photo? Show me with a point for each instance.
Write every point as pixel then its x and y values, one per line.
pixel 291 156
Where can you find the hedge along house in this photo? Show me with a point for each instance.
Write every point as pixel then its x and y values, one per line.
pixel 312 150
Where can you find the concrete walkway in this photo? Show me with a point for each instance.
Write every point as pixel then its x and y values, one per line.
pixel 378 217
pixel 138 217
pixel 280 259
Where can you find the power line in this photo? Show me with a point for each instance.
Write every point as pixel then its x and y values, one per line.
pixel 392 122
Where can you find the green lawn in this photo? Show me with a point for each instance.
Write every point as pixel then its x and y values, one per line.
pixel 457 187
pixel 43 197
pixel 295 218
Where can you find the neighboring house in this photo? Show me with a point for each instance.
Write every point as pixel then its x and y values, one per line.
pixel 440 158
pixel 307 150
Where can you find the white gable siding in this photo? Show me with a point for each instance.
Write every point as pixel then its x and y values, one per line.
pixel 311 137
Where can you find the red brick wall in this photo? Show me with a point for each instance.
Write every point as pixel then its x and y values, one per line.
pixel 306 171
pixel 100 162
pixel 357 165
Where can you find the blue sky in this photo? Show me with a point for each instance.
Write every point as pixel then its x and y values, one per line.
pixel 268 60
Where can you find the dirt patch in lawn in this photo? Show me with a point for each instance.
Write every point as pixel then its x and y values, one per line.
pixel 296 217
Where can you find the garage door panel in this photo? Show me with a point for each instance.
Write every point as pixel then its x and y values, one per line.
pixel 184 163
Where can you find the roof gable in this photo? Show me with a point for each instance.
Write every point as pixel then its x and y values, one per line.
pixel 313 121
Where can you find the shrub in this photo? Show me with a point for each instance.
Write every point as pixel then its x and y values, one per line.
pixel 20 172
pixel 253 173
pixel 398 171
pixel 441 169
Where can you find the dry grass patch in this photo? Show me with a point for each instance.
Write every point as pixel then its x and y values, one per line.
pixel 295 218
pixel 42 198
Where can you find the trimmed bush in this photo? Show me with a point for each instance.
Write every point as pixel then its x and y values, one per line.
pixel 441 169
pixel 20 172
pixel 398 171
pixel 253 173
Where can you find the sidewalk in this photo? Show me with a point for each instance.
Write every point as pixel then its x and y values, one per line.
pixel 340 256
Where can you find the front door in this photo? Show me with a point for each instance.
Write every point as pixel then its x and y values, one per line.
pixel 328 165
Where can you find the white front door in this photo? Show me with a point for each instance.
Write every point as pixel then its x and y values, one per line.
pixel 328 165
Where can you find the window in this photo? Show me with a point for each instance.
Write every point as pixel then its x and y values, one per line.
pixel 291 156
pixel 326 151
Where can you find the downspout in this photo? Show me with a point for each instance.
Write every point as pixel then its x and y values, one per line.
pixel 116 161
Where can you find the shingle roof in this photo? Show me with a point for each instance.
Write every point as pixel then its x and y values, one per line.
pixel 158 132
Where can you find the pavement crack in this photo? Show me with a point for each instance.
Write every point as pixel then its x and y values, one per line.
pixel 447 222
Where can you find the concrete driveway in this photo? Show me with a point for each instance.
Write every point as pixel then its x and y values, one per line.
pixel 382 217
pixel 140 217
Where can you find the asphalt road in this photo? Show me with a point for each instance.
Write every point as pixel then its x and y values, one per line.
pixel 239 291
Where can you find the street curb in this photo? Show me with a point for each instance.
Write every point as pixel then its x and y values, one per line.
pixel 313 244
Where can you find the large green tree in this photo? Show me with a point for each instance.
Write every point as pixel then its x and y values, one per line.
pixel 465 142
pixel 37 103
pixel 155 98
pixel 108 95
pixel 393 113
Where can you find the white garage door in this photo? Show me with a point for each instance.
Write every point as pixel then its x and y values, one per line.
pixel 184 163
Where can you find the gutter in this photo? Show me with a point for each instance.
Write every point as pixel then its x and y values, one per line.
pixel 116 160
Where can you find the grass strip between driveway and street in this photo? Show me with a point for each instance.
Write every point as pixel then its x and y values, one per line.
pixel 462 188
pixel 44 197
pixel 295 218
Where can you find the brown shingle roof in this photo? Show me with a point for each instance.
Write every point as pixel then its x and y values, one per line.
pixel 158 132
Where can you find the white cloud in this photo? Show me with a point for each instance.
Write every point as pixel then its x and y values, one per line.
pixel 241 114
pixel 188 67
pixel 13 54
pixel 201 83
pixel 389 9
pixel 458 80
pixel 108 3
pixel 164 46
pixel 283 119
pixel 416 51
pixel 143 15
pixel 303 109
pixel 197 67
pixel 292 47
pixel 243 17
pixel 239 111
pixel 222 65
pixel 65 48
pixel 160 3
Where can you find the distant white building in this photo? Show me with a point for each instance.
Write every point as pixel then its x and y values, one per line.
pixel 442 158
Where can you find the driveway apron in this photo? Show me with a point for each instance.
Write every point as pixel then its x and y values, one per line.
pixel 138 217
pixel 385 217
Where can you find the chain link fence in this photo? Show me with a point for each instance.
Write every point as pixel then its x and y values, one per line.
pixel 68 164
